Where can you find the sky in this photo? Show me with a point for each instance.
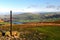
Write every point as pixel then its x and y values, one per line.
pixel 30 5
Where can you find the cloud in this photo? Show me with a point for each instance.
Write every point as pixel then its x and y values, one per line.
pixel 37 8
pixel 33 6
pixel 53 7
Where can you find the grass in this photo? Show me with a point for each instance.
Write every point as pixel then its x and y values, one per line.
pixel 53 32
pixel 4 22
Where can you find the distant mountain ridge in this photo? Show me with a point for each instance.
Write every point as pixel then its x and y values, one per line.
pixel 47 16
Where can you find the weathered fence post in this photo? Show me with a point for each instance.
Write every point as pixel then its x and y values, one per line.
pixel 11 22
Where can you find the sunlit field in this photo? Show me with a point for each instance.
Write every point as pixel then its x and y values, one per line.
pixel 31 31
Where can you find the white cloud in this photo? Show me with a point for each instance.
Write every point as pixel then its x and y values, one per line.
pixel 29 10
pixel 3 10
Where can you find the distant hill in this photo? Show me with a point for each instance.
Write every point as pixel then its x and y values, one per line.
pixel 34 17
pixel 47 16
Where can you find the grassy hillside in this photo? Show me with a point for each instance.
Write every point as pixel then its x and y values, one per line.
pixel 34 17
pixel 38 17
pixel 36 32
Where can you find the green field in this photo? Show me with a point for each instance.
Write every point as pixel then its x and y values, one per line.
pixel 51 32
pixel 4 22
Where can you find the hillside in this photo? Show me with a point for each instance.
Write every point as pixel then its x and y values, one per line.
pixel 37 17
pixel 33 32
pixel 34 17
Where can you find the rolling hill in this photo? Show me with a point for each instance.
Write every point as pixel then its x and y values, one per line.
pixel 37 17
pixel 34 17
